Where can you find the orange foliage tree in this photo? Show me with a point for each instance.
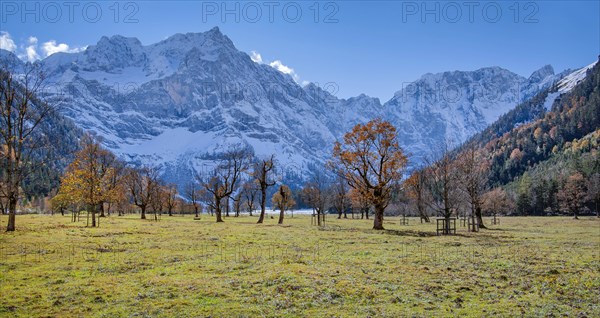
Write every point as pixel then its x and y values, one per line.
pixel 88 178
pixel 417 191
pixel 371 160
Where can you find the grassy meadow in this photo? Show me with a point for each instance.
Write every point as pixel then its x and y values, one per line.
pixel 181 267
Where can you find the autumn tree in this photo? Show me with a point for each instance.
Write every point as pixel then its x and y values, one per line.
pixel 21 116
pixel 142 183
pixel 371 160
pixel 572 195
pixel 116 189
pixel 417 191
pixel 223 179
pixel 263 171
pixel 473 173
pixel 88 178
pixel 497 201
pixel 361 201
pixel 283 200
pixel 60 203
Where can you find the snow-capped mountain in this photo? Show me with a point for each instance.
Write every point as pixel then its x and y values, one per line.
pixel 179 102
pixel 450 107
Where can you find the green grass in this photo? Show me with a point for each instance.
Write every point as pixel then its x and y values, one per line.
pixel 178 267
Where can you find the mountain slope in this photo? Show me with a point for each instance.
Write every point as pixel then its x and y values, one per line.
pixel 534 132
pixel 178 102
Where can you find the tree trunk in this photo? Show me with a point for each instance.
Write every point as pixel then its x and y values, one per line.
pixel 170 211
pixel 101 206
pixel 423 216
pixel 479 218
pixel 339 214
pixel 367 213
pixel 12 213
pixel 263 201
pixel 143 212
pixel 281 216
pixel 227 206
pixel 93 210
pixel 196 210
pixel 378 220
pixel 575 217
pixel 218 213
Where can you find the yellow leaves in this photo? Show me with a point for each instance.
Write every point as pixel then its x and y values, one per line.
pixel 87 178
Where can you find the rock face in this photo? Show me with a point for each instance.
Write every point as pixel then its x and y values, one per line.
pixel 179 102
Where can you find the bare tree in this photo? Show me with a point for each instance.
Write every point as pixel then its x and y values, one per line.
pixel 193 193
pixel 158 199
pixel 283 200
pixel 249 193
pixel 263 172
pixel 317 195
pixel 442 182
pixel 416 187
pixel 340 197
pixel 171 198
pixel 142 185
pixel 237 203
pixel 21 115
pixel 223 179
pixel 473 169
pixel 593 191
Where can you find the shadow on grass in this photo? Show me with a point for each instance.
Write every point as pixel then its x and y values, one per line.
pixel 387 232
pixel 406 233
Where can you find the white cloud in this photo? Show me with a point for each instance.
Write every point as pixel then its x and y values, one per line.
pixel 52 47
pixel 281 67
pixel 31 50
pixel 278 65
pixel 255 56
pixel 6 42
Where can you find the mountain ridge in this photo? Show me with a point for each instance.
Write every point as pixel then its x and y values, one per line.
pixel 175 102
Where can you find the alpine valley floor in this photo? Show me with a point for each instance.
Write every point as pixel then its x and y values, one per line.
pixel 179 267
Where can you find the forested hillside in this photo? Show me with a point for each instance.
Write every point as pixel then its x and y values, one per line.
pixel 541 156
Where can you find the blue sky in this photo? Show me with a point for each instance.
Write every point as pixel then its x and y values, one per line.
pixel 363 47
